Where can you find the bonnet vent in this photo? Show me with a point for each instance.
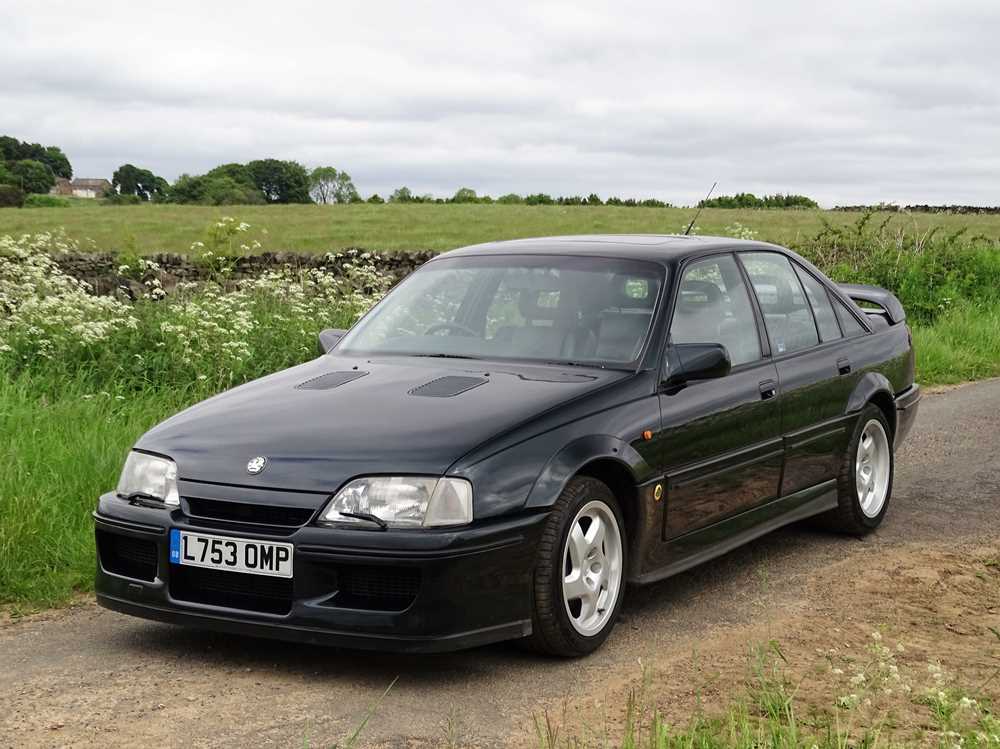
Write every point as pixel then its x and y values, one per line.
pixel 329 380
pixel 445 387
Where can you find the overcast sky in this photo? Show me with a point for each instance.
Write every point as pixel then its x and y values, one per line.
pixel 847 102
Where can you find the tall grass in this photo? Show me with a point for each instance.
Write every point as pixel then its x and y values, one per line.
pixel 60 448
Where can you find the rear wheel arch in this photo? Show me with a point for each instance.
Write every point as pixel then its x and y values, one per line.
pixel 887 405
pixel 874 388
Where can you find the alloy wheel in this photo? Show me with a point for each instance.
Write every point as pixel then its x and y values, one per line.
pixel 872 468
pixel 592 567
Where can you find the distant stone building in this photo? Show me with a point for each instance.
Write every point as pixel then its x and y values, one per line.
pixel 82 187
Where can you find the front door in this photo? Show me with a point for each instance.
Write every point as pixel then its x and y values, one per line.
pixel 721 438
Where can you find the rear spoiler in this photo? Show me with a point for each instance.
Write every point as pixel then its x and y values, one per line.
pixel 877 296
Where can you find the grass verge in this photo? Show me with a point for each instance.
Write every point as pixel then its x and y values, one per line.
pixel 961 345
pixel 882 702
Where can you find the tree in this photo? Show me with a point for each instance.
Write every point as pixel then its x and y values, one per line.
pixel 187 189
pixel 327 185
pixel 376 198
pixel 56 160
pixel 32 176
pixel 12 149
pixel 322 182
pixel 129 179
pixel 236 172
pixel 539 198
pixel 401 195
pixel 228 191
pixel 594 199
pixel 465 195
pixel 510 198
pixel 280 181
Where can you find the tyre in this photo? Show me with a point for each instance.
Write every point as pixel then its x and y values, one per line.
pixel 864 484
pixel 579 579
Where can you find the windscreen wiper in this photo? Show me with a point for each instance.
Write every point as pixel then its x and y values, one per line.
pixel 367 516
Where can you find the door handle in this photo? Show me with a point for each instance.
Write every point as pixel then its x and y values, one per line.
pixel 768 389
pixel 844 366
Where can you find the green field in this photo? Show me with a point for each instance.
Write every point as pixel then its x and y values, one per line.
pixel 155 228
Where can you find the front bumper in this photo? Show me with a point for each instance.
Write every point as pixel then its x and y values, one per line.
pixel 412 591
pixel 907 403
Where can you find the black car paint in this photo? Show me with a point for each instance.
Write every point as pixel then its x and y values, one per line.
pixel 737 456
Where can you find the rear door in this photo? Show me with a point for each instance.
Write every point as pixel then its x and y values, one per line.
pixel 721 437
pixel 815 373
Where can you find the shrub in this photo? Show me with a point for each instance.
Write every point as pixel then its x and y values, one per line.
pixel 46 201
pixel 116 198
pixel 510 198
pixel 928 271
pixel 538 199
pixel 11 196
pixel 749 200
pixel 228 191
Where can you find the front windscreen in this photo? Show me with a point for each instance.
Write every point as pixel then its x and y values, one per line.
pixel 539 308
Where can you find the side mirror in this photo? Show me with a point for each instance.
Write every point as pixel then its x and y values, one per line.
pixel 698 361
pixel 329 338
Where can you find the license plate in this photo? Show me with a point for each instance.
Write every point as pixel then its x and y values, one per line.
pixel 234 554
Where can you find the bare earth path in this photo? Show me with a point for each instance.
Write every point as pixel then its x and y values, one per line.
pixel 88 676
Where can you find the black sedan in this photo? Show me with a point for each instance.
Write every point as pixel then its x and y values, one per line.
pixel 514 434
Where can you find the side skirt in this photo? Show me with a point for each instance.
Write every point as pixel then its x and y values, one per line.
pixel 704 544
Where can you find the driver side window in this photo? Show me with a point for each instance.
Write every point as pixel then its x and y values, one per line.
pixel 713 306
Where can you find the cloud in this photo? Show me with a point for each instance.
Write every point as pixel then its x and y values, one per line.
pixel 856 102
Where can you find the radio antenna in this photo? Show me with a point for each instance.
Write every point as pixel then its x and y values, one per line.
pixel 700 206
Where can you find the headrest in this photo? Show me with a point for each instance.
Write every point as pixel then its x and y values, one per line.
pixel 697 295
pixel 616 295
pixel 542 304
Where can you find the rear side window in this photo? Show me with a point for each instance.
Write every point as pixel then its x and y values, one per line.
pixel 848 321
pixel 826 320
pixel 713 306
pixel 787 315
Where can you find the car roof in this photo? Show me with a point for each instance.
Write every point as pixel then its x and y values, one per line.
pixel 656 247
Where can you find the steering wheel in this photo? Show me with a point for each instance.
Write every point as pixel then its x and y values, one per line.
pixel 450 326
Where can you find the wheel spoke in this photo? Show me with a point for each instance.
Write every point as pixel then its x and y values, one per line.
pixel 574 586
pixel 578 547
pixel 588 606
pixel 595 535
pixel 866 445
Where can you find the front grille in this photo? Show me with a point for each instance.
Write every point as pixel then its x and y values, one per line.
pixel 236 590
pixel 241 512
pixel 127 556
pixel 376 588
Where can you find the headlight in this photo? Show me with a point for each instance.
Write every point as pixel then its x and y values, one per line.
pixel 403 501
pixel 149 476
